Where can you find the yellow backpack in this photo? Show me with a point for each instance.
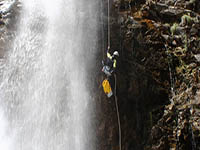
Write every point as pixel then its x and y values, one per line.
pixel 107 88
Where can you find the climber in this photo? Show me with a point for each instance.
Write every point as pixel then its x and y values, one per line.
pixel 111 63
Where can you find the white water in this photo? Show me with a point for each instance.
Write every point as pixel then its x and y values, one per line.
pixel 44 85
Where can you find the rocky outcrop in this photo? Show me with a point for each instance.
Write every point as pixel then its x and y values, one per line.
pixel 9 13
pixel 158 76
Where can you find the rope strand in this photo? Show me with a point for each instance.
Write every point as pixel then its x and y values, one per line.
pixel 118 117
pixel 102 29
pixel 108 23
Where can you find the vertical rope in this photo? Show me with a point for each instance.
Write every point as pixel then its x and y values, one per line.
pixel 109 23
pixel 118 118
pixel 102 29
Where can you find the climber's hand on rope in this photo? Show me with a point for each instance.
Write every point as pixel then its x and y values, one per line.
pixel 108 49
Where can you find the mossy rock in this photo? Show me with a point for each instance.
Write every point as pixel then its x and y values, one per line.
pixel 186 20
pixel 173 28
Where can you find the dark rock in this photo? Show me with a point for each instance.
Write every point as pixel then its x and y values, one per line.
pixel 2 23
pixel 197 57
pixel 172 12
pixel 194 31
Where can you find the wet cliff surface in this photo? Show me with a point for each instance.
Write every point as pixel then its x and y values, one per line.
pixel 158 74
pixel 9 16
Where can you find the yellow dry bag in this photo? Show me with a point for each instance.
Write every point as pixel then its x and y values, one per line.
pixel 107 88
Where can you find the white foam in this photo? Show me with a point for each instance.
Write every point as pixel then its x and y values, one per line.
pixel 6 142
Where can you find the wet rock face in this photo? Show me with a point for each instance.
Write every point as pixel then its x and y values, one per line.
pixel 9 15
pixel 158 76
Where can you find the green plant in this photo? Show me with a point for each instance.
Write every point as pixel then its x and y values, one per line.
pixel 173 28
pixel 186 19
pixel 192 1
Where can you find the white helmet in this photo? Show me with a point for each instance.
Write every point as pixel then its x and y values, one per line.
pixel 116 53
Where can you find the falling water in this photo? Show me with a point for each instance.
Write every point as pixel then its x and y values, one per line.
pixel 44 84
pixel 171 73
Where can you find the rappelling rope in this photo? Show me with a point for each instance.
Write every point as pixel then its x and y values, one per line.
pixel 118 117
pixel 102 29
pixel 108 23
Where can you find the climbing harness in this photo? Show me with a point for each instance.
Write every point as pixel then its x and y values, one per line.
pixel 106 70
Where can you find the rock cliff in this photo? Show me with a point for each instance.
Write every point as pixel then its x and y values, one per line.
pixel 158 73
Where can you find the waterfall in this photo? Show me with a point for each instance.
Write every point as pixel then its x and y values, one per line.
pixel 45 89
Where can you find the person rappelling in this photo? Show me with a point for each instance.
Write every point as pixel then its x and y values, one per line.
pixel 109 67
